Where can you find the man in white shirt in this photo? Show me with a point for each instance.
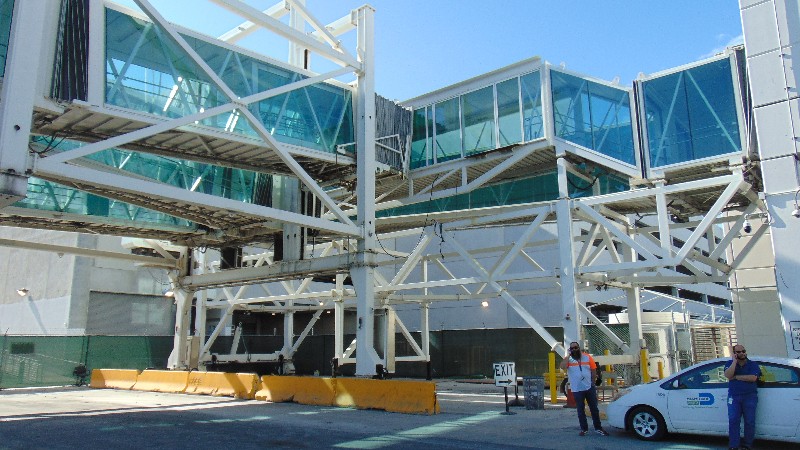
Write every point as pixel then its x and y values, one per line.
pixel 581 372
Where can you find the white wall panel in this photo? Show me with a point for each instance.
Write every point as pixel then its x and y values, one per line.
pixel 760 17
pixel 767 66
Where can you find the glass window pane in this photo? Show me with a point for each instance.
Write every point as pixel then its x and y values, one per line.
pixel 448 130
pixel 571 108
pixel 477 110
pixel 146 72
pixel 508 113
pixel 420 139
pixel 593 115
pixel 532 124
pixel 712 110
pixel 612 133
pixel 668 126
pixel 691 114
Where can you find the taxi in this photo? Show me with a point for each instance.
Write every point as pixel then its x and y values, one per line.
pixel 694 401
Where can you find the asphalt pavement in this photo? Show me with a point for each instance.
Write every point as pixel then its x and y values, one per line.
pixel 472 417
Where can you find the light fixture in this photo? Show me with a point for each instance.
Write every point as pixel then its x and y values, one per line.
pixel 485 304
pixel 169 293
pixel 796 211
pixel 747 227
pixel 22 292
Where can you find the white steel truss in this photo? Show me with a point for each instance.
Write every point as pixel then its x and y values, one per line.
pixel 627 240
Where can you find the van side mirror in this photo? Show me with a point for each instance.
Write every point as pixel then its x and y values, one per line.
pixel 675 384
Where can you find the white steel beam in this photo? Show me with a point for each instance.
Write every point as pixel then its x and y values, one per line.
pixel 278 27
pixel 243 30
pixel 510 300
pixel 711 214
pixel 602 327
pixel 163 191
pixel 167 263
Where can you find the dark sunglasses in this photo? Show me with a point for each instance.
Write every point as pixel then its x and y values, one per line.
pixel 574 348
pixel 740 351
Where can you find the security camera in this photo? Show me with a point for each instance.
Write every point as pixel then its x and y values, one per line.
pixel 796 212
pixel 747 227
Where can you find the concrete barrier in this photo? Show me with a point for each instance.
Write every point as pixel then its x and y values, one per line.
pixel 362 393
pixel 113 378
pixel 414 397
pixel 237 385
pixel 174 381
pixel 315 391
pixel 417 397
pixel 276 389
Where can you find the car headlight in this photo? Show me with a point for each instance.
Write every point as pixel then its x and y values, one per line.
pixel 621 393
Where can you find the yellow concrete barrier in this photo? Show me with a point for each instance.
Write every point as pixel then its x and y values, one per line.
pixel 113 378
pixel 276 389
pixel 174 381
pixel 417 397
pixel 362 393
pixel 238 385
pixel 315 391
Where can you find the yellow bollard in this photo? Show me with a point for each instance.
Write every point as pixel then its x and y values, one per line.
pixel 643 366
pixel 661 370
pixel 609 369
pixel 551 363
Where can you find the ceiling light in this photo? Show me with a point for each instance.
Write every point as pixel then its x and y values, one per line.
pixel 169 293
pixel 22 292
pixel 485 304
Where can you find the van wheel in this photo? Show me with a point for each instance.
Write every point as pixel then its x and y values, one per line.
pixel 646 423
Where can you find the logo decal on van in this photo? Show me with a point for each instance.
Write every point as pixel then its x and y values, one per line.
pixel 702 399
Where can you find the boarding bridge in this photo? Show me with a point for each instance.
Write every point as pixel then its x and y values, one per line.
pixel 141 128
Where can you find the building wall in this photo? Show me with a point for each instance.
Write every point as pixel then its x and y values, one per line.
pixel 61 287
pixel 755 298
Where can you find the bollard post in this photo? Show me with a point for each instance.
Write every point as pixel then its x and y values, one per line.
pixel 643 366
pixel 609 369
pixel 551 365
pixel 661 370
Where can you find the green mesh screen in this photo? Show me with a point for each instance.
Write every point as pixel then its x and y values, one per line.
pixel 29 361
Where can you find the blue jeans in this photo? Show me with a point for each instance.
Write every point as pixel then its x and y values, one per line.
pixel 591 398
pixel 738 406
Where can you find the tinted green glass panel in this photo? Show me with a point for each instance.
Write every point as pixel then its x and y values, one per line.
pixel 421 139
pixel 146 72
pixel 477 115
pixel 612 133
pixel 691 114
pixel 534 189
pixel 571 108
pixel 448 130
pixel 6 8
pixel 593 115
pixel 532 123
pixel 509 118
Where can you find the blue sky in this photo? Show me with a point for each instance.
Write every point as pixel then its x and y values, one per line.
pixel 423 45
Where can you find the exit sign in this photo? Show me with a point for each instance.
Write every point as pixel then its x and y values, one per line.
pixel 504 374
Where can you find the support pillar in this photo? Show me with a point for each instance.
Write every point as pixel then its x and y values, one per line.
pixel 179 358
pixel 18 95
pixel 566 271
pixel 363 271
